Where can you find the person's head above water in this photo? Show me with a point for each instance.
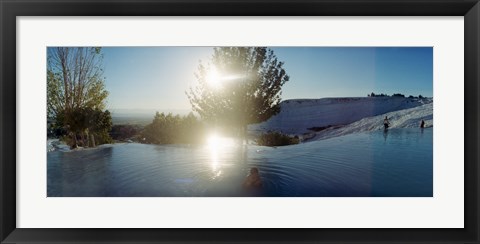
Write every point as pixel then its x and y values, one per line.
pixel 253 180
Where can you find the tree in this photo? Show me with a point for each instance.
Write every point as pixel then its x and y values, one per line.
pixel 241 86
pixel 99 124
pixel 76 92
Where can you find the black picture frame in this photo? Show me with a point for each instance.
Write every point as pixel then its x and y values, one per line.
pixel 10 9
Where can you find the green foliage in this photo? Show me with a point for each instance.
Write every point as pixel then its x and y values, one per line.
pixel 99 124
pixel 85 126
pixel 273 139
pixel 102 137
pixel 249 89
pixel 75 79
pixel 170 129
pixel 76 95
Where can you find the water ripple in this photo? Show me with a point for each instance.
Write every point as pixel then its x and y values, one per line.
pixel 396 163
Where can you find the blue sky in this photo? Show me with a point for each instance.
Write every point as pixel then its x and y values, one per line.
pixel 157 77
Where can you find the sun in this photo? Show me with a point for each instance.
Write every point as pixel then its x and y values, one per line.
pixel 217 80
pixel 214 79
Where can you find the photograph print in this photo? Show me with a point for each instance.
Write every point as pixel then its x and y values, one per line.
pixel 239 121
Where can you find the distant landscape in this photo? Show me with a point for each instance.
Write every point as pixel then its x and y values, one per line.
pixel 311 119
pixel 140 116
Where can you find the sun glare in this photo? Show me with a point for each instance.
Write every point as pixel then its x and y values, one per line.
pixel 213 143
pixel 216 142
pixel 217 79
pixel 214 78
pixel 217 145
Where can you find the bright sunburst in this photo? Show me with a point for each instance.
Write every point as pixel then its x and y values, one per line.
pixel 214 78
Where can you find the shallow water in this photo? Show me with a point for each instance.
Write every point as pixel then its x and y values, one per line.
pixel 398 163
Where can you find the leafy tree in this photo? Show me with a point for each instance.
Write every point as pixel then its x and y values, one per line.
pixel 76 93
pixel 240 86
pixel 99 124
pixel 86 126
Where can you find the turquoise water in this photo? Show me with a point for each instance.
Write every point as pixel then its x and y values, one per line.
pixel 397 163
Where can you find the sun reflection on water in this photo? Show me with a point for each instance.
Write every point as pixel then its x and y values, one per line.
pixel 217 145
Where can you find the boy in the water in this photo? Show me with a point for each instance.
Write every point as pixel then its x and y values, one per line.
pixel 253 179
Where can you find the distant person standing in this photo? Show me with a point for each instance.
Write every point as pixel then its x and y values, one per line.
pixel 422 124
pixel 386 123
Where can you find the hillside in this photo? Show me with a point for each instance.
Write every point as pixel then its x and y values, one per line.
pixel 328 117
pixel 405 118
